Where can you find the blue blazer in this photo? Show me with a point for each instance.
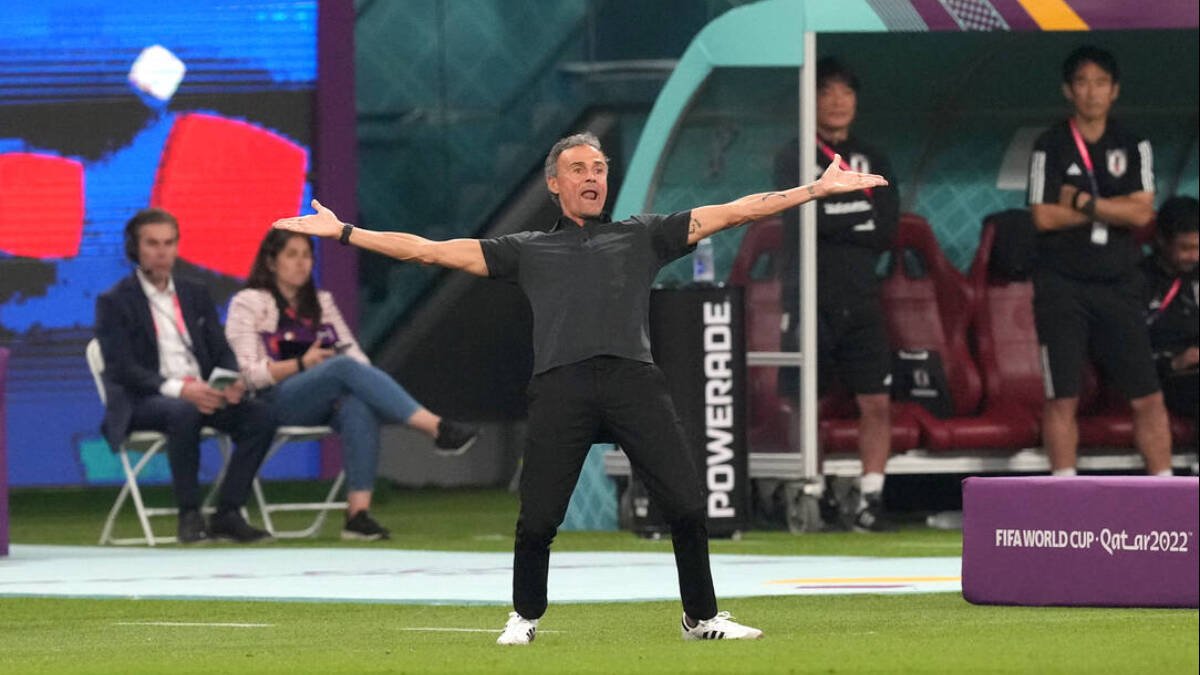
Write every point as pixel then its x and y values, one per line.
pixel 129 343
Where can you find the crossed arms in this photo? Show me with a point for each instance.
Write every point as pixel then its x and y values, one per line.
pixel 467 254
pixel 1133 210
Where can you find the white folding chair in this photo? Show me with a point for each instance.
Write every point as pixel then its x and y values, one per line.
pixel 283 436
pixel 148 444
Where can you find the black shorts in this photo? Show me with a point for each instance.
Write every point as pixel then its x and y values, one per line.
pixel 852 347
pixel 1102 319
pixel 1181 394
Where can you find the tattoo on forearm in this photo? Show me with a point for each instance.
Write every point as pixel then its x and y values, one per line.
pixel 695 226
pixel 769 195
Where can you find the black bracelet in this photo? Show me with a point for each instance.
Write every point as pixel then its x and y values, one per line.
pixel 1089 208
pixel 344 240
pixel 300 364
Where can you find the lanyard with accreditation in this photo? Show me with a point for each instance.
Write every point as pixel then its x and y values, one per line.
pixel 1166 302
pixel 1099 229
pixel 176 320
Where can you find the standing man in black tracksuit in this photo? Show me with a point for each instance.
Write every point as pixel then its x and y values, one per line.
pixel 1172 316
pixel 852 230
pixel 1091 183
pixel 588 282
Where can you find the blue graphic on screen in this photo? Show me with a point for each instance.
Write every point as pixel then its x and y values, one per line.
pixel 106 108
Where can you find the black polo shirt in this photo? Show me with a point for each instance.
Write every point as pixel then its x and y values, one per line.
pixel 1123 164
pixel 589 286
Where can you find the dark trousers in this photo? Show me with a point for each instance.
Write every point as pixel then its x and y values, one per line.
pixel 570 407
pixel 250 424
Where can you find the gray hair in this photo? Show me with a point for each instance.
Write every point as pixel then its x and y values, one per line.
pixel 564 144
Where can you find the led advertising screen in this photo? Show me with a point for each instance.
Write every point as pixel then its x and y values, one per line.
pixel 202 108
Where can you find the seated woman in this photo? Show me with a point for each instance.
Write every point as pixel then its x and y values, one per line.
pixel 294 347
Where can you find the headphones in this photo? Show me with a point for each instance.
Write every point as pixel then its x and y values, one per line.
pixel 131 240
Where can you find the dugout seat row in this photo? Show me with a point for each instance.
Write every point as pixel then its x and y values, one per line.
pixel 1007 347
pixel 980 324
pixel 757 269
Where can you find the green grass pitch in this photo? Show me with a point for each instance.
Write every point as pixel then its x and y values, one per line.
pixel 820 634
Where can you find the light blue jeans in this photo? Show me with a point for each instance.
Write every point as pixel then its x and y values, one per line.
pixel 354 399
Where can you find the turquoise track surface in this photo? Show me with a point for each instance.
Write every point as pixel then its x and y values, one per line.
pixel 435 577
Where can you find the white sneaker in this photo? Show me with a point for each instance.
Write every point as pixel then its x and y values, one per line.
pixel 720 627
pixel 518 630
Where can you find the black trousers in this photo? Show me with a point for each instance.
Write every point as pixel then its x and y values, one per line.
pixel 250 423
pixel 570 407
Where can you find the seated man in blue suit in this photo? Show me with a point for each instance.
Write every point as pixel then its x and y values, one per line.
pixel 161 339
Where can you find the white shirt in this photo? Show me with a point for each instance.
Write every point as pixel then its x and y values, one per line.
pixel 175 358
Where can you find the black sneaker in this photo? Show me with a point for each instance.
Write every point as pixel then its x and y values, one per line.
pixel 872 518
pixel 830 509
pixel 362 527
pixel 230 525
pixel 191 527
pixel 454 438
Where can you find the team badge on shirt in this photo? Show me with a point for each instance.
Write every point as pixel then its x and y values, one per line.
pixel 859 163
pixel 1117 163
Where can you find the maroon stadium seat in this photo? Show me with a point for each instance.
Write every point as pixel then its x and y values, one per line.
pixel 1105 419
pixel 928 306
pixel 756 268
pixel 1007 346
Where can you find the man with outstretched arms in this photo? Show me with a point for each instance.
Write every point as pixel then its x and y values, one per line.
pixel 588 282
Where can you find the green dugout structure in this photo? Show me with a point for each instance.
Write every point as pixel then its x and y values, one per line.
pixel 955 93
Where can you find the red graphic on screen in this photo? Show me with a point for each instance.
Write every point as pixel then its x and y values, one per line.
pixel 227 181
pixel 41 205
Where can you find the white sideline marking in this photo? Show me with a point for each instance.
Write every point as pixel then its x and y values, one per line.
pixel 188 624
pixel 434 629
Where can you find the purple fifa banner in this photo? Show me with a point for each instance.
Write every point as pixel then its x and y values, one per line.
pixel 3 457
pixel 1127 541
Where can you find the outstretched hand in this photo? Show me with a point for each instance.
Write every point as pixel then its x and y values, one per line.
pixel 837 180
pixel 323 223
